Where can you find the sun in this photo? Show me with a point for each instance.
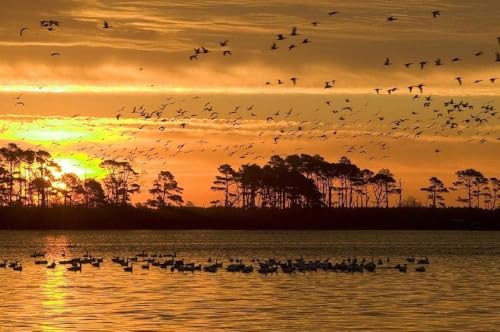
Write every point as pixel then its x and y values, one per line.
pixel 80 165
pixel 70 165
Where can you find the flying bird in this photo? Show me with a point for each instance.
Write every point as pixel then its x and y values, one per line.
pixel 21 31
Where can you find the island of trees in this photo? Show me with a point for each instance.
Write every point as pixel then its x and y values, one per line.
pixel 284 189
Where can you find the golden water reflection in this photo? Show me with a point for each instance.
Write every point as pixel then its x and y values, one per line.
pixel 41 299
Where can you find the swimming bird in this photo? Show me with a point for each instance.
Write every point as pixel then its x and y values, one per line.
pixel 436 13
pixel 106 25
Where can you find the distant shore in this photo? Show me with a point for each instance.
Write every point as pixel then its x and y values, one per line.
pixel 254 219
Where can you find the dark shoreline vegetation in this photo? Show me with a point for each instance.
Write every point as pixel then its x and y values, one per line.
pixel 219 218
pixel 294 192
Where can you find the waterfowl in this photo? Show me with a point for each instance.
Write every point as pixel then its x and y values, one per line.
pixel 75 268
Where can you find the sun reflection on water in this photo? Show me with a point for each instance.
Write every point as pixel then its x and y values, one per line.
pixel 53 287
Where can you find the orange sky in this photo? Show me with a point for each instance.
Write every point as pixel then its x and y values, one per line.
pixel 70 102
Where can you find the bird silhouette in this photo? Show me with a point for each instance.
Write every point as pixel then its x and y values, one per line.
pixel 21 31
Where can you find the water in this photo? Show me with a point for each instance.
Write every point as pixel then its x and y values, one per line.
pixel 460 290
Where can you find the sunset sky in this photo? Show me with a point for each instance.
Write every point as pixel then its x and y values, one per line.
pixel 62 90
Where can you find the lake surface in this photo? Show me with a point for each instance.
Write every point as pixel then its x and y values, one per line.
pixel 460 291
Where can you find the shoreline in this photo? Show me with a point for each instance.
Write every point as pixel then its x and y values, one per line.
pixel 187 218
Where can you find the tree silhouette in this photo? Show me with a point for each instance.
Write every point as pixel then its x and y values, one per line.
pixel 73 188
pixel 225 183
pixel 472 182
pixel 495 192
pixel 120 183
pixel 165 191
pixel 435 191
pixel 383 186
pixel 93 193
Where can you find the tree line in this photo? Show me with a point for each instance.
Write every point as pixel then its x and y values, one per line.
pixel 33 178
pixel 305 181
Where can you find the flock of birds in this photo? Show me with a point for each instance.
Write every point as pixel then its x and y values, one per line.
pixel 146 261
pixel 336 117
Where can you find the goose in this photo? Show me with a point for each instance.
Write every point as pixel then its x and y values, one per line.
pixel 75 268
pixel 210 268
pixel 247 269
pixel 18 268
pixel 52 266
pixel 129 268
pixel 424 260
pixel 401 268
pixel 4 264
